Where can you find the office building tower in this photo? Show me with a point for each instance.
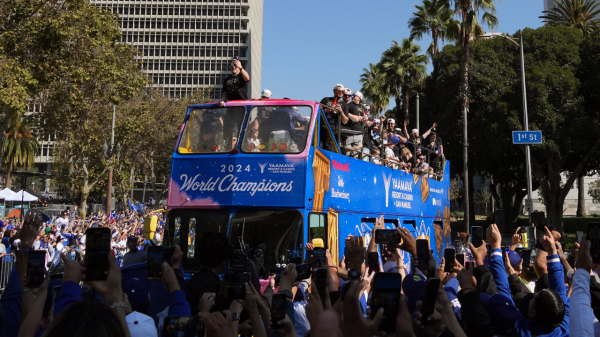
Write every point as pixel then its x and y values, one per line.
pixel 188 44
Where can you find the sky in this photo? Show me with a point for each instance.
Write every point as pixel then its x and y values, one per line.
pixel 311 45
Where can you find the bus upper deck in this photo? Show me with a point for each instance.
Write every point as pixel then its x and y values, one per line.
pixel 256 171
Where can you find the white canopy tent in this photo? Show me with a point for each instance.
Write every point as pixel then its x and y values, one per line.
pixel 21 195
pixel 6 193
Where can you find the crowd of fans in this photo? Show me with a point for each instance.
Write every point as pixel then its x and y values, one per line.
pixel 493 294
pixel 379 140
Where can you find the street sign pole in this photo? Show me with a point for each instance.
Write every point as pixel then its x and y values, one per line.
pixel 526 124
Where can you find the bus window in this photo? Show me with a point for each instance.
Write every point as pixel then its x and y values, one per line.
pixel 317 227
pixel 214 130
pixel 191 225
pixel 280 231
pixel 277 129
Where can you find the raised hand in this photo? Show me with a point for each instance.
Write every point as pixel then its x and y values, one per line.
pixel 494 237
pixel 355 323
pixel 409 243
pixel 548 242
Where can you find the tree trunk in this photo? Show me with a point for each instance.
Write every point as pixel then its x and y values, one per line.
pixel 398 110
pixel 581 196
pixel 9 174
pixel 471 212
pixel 405 98
pixel 131 181
pixel 3 128
pixel 83 206
pixel 434 37
pixel 512 198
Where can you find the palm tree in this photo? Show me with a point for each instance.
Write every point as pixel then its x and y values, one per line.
pixel 404 67
pixel 578 14
pixel 374 87
pixel 20 146
pixel 434 17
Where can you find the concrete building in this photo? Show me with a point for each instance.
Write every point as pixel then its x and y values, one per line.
pixel 190 43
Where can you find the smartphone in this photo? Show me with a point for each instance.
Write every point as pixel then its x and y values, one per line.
pixel 35 268
pixel 385 236
pixel 97 248
pixel 56 291
pixel 155 261
pixel 489 252
pixel 303 271
pixel 278 307
pixel 423 255
pixel 386 295
pixel 228 292
pixel 167 254
pixel 580 235
pixel 320 279
pixel 319 254
pixel 373 261
pixel 593 235
pixel 295 260
pixel 504 257
pixel 431 292
pixel 461 259
pixel 449 257
pixel 477 236
pixel 470 265
pixel 188 326
pixel 526 256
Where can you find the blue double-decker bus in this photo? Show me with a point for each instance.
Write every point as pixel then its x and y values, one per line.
pixel 255 171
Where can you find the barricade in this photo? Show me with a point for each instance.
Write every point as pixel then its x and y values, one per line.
pixel 6 265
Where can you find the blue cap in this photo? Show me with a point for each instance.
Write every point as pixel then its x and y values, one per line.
pixel 10 227
pixel 414 287
pixel 395 139
pixel 513 256
pixel 131 238
pixel 137 294
pixel 147 242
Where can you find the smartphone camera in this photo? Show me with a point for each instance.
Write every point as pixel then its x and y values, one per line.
pixel 386 295
pixel 423 255
pixel 155 261
pixel 96 253
pixel 36 261
pixel 388 237
pixel 278 308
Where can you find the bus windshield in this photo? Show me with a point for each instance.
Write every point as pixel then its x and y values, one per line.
pixel 277 129
pixel 214 130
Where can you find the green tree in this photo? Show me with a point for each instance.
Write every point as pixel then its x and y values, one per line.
pixel 580 14
pixel 20 146
pixel 594 191
pixel 404 67
pixel 434 17
pixel 374 87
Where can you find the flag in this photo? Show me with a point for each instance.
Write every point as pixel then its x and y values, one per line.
pixel 111 218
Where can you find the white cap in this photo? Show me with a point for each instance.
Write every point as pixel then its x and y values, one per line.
pixel 338 87
pixel 391 120
pixel 141 325
pixel 347 91
pixel 266 93
pixel 359 94
pixel 376 121
pixel 414 131
pixel 368 107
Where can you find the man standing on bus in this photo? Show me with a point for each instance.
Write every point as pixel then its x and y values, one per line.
pixel 234 85
pixel 333 108
pixel 353 112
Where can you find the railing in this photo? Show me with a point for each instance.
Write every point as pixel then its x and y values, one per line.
pixel 6 265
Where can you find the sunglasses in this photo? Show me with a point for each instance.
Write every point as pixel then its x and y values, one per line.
pixel 347 95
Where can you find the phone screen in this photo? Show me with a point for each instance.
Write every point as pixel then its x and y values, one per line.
pixel 593 235
pixel 303 271
pixel 296 260
pixel 97 248
pixel 504 257
pixel 35 268
pixel 183 326
pixel 461 259
pixel 319 253
pixel 526 256
pixel 278 308
pixel 373 261
pixel 423 255
pixel 320 277
pixel 431 290
pixel 580 235
pixel 278 272
pixel 155 260
pixel 476 236
pixel 385 236
pixel 386 295
pixel 449 257
pixel 167 254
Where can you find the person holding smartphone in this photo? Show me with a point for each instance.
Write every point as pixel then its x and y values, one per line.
pixel 234 85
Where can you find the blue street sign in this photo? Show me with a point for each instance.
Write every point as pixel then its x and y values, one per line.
pixel 527 137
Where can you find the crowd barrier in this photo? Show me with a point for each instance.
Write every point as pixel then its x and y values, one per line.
pixel 6 266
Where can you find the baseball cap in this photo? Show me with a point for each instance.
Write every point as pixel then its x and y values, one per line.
pixel 391 121
pixel 347 91
pixel 359 94
pixel 414 287
pixel 137 294
pixel 503 314
pixel 513 256
pixel 140 325
pixel 338 87
pixel 414 131
pixel 131 238
pixel 266 93
pixel 375 120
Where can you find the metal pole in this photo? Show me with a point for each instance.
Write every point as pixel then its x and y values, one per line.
pixel 417 111
pixel 110 170
pixel 526 126
pixel 466 169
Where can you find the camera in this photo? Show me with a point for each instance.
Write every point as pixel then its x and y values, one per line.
pixel 246 265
